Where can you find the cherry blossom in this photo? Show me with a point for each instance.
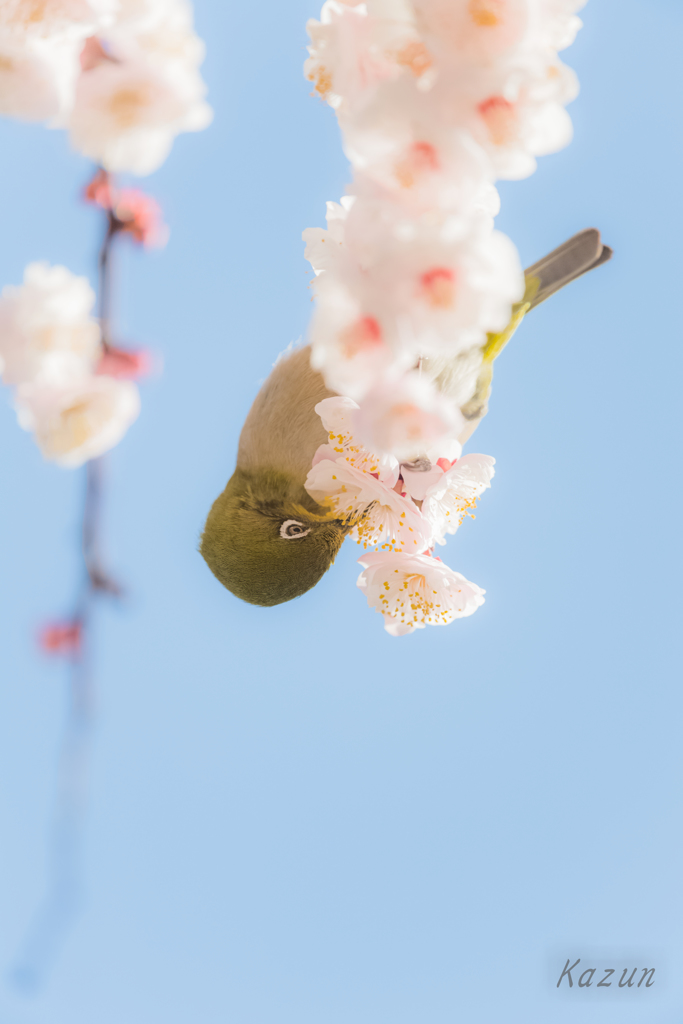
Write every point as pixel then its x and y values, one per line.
pixel 159 31
pixel 516 114
pixel 135 212
pixel 47 332
pixel 414 591
pixel 39 20
pixel 141 217
pixel 392 289
pixel 475 31
pixel 75 423
pixel 352 53
pixel 453 495
pixel 37 79
pixel 143 90
pixel 121 75
pixel 376 513
pixel 401 144
pixel 338 417
pixel 126 115
pixel 349 346
pixel 405 415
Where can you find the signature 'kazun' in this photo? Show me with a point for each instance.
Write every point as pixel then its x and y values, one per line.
pixel 587 977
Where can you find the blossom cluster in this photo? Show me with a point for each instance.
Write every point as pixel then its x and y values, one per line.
pixel 68 392
pixel 122 76
pixel 436 99
pixel 402 511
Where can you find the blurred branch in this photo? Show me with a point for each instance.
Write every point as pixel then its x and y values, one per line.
pixel 64 883
pixel 104 264
pixel 64 894
pixel 98 578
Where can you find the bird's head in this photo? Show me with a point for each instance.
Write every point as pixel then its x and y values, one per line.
pixel 266 540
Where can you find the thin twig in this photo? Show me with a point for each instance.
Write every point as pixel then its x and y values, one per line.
pixel 98 578
pixel 104 263
pixel 64 886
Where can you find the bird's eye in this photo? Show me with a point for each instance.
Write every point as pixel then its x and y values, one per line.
pixel 291 529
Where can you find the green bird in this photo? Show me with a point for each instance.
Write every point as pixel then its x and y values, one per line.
pixel 265 538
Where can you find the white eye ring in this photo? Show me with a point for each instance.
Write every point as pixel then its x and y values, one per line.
pixel 287 525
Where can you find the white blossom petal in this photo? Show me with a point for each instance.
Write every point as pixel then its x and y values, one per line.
pixel 338 417
pixel 126 115
pixel 455 494
pixel 80 422
pixel 47 333
pixel 405 415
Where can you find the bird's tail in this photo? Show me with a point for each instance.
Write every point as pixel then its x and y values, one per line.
pixel 576 256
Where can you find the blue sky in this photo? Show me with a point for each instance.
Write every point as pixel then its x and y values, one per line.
pixel 294 817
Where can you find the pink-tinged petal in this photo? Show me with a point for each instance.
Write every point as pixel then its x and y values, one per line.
pixel 92 54
pixel 501 119
pixel 338 416
pixel 325 452
pixel 438 287
pixel 99 190
pixel 417 484
pixel 405 415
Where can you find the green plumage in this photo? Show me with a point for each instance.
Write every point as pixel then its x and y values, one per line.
pixel 243 546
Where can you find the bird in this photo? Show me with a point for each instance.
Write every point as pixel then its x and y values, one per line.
pixel 265 539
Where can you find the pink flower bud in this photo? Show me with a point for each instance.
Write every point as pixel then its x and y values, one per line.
pixel 142 217
pixel 125 364
pixel 62 638
pixel 99 191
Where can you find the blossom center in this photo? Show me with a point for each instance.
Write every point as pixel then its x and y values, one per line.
pixel 362 336
pixel 415 56
pixel 483 13
pixel 47 338
pixel 125 105
pixel 35 11
pixel 421 158
pixel 412 602
pixel 74 428
pixel 438 287
pixel 500 118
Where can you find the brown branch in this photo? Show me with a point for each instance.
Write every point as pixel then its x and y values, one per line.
pixel 104 264
pixel 98 578
pixel 64 890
